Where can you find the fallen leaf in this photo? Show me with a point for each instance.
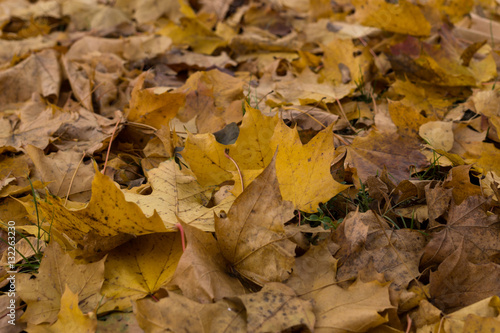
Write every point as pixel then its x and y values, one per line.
pixel 180 314
pixel 177 193
pixel 139 268
pixel 401 17
pixel 314 270
pixel 303 171
pixel 150 108
pixel 107 215
pixel 60 168
pixel 57 270
pixel 469 223
pixel 252 235
pixel 371 153
pixel 366 237
pixel 356 309
pixel 276 308
pixel 251 150
pixel 38 74
pixel 70 318
pixel 202 270
pixel 458 282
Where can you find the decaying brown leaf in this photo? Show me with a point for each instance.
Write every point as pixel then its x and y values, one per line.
pixel 252 235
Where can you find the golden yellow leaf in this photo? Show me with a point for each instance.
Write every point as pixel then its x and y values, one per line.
pixel 153 109
pixel 401 17
pixel 407 118
pixel 139 268
pixel 58 271
pixel 341 66
pixel 194 33
pixel 304 170
pixel 250 151
pixel 107 215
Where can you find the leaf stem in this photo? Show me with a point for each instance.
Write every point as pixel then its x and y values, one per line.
pixel 226 153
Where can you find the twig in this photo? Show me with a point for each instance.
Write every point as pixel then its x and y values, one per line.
pixel 73 178
pixel 109 147
pixel 183 241
pixel 345 116
pixel 226 153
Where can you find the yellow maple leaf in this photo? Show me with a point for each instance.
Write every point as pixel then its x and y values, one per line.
pixel 304 170
pixel 251 150
pixel 139 268
pixel 177 193
pixel 108 217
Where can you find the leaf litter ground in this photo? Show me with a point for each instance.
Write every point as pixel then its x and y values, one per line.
pixel 309 166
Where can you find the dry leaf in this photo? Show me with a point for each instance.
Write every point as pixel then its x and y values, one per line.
pixel 252 236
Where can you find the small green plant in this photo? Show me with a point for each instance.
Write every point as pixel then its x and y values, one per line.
pixel 321 218
pixel 248 99
pixel 362 199
pixel 32 264
pixel 434 172
pixel 365 96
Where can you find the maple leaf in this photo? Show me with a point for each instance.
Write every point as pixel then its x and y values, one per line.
pixel 458 282
pixel 201 271
pixel 177 193
pixel 469 223
pixel 57 270
pixel 223 316
pixel 151 108
pixel 371 153
pixel 139 268
pixel 303 171
pixel 252 236
pixel 250 151
pixel 105 222
pixel 70 318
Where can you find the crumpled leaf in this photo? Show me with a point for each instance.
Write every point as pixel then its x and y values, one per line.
pixel 70 317
pixel 177 193
pixel 57 270
pixel 139 268
pixel 458 282
pixel 223 316
pixel 365 238
pixel 107 215
pixel 202 270
pixel 252 236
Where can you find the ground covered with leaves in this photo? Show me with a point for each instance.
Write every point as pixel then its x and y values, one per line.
pixel 246 165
